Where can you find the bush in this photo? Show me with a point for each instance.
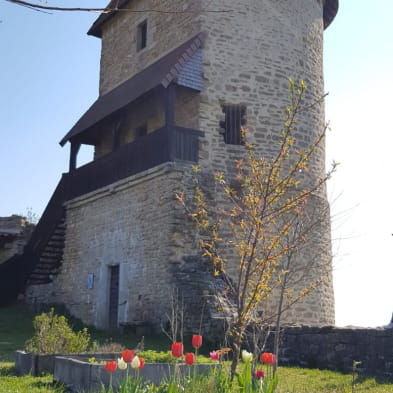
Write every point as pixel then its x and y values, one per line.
pixel 54 335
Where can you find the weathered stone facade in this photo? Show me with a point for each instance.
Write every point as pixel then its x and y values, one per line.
pixel 251 49
pixel 335 348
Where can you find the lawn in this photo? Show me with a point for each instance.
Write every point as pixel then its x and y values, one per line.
pixel 16 327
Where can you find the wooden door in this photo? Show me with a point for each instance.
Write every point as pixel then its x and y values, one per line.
pixel 113 295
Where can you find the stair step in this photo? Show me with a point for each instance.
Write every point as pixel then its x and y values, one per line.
pixel 48 260
pixel 51 254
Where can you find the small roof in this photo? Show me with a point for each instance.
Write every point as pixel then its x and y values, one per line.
pixel 162 72
pixel 330 9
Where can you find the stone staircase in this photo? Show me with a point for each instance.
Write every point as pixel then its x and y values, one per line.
pixel 51 258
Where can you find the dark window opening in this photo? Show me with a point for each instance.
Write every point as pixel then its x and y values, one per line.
pixel 235 118
pixel 141 130
pixel 114 273
pixel 142 35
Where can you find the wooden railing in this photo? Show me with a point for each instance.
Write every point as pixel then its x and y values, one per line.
pixel 162 145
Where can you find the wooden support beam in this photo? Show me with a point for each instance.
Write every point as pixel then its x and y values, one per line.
pixel 73 155
pixel 169 106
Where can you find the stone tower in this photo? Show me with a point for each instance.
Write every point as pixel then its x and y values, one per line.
pixel 173 88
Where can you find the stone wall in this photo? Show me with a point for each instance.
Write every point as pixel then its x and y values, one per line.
pixel 15 232
pixel 120 59
pixel 336 348
pixel 131 223
pixel 249 54
pixel 251 50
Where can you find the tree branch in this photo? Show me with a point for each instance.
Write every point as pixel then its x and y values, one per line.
pixel 104 10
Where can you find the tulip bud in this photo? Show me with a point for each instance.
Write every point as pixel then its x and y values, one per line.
pixel 142 363
pixel 135 362
pixel 214 355
pixel 268 358
pixel 246 356
pixel 111 366
pixel 121 364
pixel 128 355
pixel 259 374
pixel 177 350
pixel 189 359
pixel 196 340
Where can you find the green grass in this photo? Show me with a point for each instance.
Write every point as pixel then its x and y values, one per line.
pixel 299 380
pixel 11 383
pixel 16 327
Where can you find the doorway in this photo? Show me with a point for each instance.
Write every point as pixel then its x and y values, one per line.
pixel 114 272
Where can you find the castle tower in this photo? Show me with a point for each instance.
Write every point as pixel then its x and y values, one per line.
pixel 173 86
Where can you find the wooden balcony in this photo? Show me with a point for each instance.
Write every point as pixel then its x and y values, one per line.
pixel 162 145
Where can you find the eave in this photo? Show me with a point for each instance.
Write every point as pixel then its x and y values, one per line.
pixel 330 9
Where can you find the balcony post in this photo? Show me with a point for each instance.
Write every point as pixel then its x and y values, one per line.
pixel 73 155
pixel 169 106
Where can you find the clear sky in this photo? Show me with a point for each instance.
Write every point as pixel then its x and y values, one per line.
pixel 49 73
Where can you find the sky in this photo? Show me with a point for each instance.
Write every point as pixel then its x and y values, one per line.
pixel 49 72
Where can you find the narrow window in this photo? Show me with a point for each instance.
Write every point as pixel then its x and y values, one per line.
pixel 114 272
pixel 142 35
pixel 235 118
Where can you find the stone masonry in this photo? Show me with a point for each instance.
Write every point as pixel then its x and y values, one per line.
pixel 251 49
pixel 15 232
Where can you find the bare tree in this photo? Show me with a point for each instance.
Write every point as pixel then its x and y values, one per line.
pixel 259 223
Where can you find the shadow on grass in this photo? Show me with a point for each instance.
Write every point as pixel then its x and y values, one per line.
pixel 8 371
pixel 380 380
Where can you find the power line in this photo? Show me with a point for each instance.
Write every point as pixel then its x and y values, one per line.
pixel 105 10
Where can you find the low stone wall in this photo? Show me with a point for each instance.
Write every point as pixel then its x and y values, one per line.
pixel 79 375
pixel 34 364
pixel 336 348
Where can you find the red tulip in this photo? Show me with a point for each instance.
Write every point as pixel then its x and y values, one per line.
pixel 177 350
pixel 259 374
pixel 190 359
pixel 111 366
pixel 128 355
pixel 196 340
pixel 142 363
pixel 268 358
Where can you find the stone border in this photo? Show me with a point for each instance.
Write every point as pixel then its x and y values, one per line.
pixel 78 374
pixel 34 364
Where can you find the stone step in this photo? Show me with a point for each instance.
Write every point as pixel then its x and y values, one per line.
pixel 52 253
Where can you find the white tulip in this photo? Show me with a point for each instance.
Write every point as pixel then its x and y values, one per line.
pixel 135 362
pixel 246 356
pixel 121 364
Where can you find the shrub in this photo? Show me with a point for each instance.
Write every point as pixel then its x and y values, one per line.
pixel 54 335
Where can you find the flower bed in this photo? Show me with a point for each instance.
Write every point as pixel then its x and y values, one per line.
pixel 80 375
pixel 108 372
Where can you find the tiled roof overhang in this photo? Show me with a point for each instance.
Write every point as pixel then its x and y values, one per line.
pixel 162 72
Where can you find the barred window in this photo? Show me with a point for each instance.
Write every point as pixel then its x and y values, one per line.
pixel 235 118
